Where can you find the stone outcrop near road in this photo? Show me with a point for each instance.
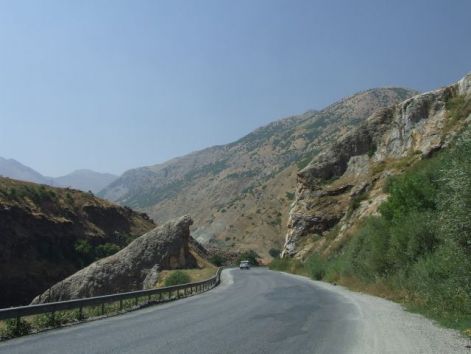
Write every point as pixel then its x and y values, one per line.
pixel 133 268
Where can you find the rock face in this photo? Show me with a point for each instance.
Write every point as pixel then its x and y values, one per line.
pixel 133 268
pixel 332 190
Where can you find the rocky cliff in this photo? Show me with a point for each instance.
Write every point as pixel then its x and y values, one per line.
pixel 239 194
pixel 345 183
pixel 48 233
pixel 135 267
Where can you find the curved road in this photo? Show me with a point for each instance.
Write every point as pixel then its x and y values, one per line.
pixel 256 311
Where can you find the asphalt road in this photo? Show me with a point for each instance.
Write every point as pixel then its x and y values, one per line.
pixel 255 311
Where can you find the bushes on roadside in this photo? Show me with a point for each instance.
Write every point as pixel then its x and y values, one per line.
pixel 14 328
pixel 420 244
pixel 176 278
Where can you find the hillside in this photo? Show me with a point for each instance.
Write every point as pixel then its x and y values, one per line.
pixel 239 194
pixel 387 208
pixel 48 233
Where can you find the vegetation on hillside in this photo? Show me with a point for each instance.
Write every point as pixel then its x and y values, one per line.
pixel 418 250
pixel 49 233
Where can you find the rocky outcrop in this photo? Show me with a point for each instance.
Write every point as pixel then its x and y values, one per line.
pixel 331 189
pixel 133 268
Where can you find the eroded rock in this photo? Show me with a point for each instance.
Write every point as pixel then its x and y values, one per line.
pixel 133 268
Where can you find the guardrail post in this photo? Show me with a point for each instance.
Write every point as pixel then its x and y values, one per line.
pixel 80 315
pixel 18 322
pixel 102 309
pixel 136 301
pixel 120 304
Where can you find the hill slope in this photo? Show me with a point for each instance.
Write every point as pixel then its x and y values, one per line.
pixel 49 233
pixel 239 194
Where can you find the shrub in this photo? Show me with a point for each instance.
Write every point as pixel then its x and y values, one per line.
pixel 176 278
pixel 316 266
pixel 274 252
pixel 14 328
pixel 290 195
pixel 217 260
pixel 84 251
pixel 105 250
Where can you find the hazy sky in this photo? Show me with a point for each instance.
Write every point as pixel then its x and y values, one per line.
pixel 112 85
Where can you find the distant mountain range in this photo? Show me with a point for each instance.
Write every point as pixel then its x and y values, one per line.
pixel 85 180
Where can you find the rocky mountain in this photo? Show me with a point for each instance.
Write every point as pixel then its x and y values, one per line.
pixel 135 267
pixel 85 180
pixel 239 194
pixel 14 169
pixel 346 182
pixel 47 234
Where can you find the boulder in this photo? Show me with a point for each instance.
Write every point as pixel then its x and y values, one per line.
pixel 133 268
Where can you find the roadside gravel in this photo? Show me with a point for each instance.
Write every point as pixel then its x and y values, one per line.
pixel 385 327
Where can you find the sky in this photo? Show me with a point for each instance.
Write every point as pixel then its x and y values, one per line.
pixel 113 85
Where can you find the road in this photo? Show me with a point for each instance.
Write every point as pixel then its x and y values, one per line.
pixel 255 311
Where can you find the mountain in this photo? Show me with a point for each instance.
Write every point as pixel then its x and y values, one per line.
pixel 85 180
pixel 348 180
pixel 14 169
pixel 47 234
pixel 239 194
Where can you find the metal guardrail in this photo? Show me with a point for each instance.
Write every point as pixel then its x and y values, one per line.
pixel 173 292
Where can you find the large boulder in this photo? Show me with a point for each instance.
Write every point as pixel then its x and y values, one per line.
pixel 133 268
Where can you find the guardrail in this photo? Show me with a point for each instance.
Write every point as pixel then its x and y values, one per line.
pixel 153 296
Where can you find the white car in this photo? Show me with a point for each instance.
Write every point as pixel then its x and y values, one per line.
pixel 244 265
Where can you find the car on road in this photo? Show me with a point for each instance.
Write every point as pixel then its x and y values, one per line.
pixel 244 265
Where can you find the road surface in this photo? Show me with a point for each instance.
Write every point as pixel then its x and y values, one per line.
pixel 255 311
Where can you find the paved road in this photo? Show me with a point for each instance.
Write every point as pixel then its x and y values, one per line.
pixel 256 311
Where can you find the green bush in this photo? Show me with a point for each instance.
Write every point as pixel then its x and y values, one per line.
pixel 14 328
pixel 274 252
pixel 105 250
pixel 316 266
pixel 217 260
pixel 176 278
